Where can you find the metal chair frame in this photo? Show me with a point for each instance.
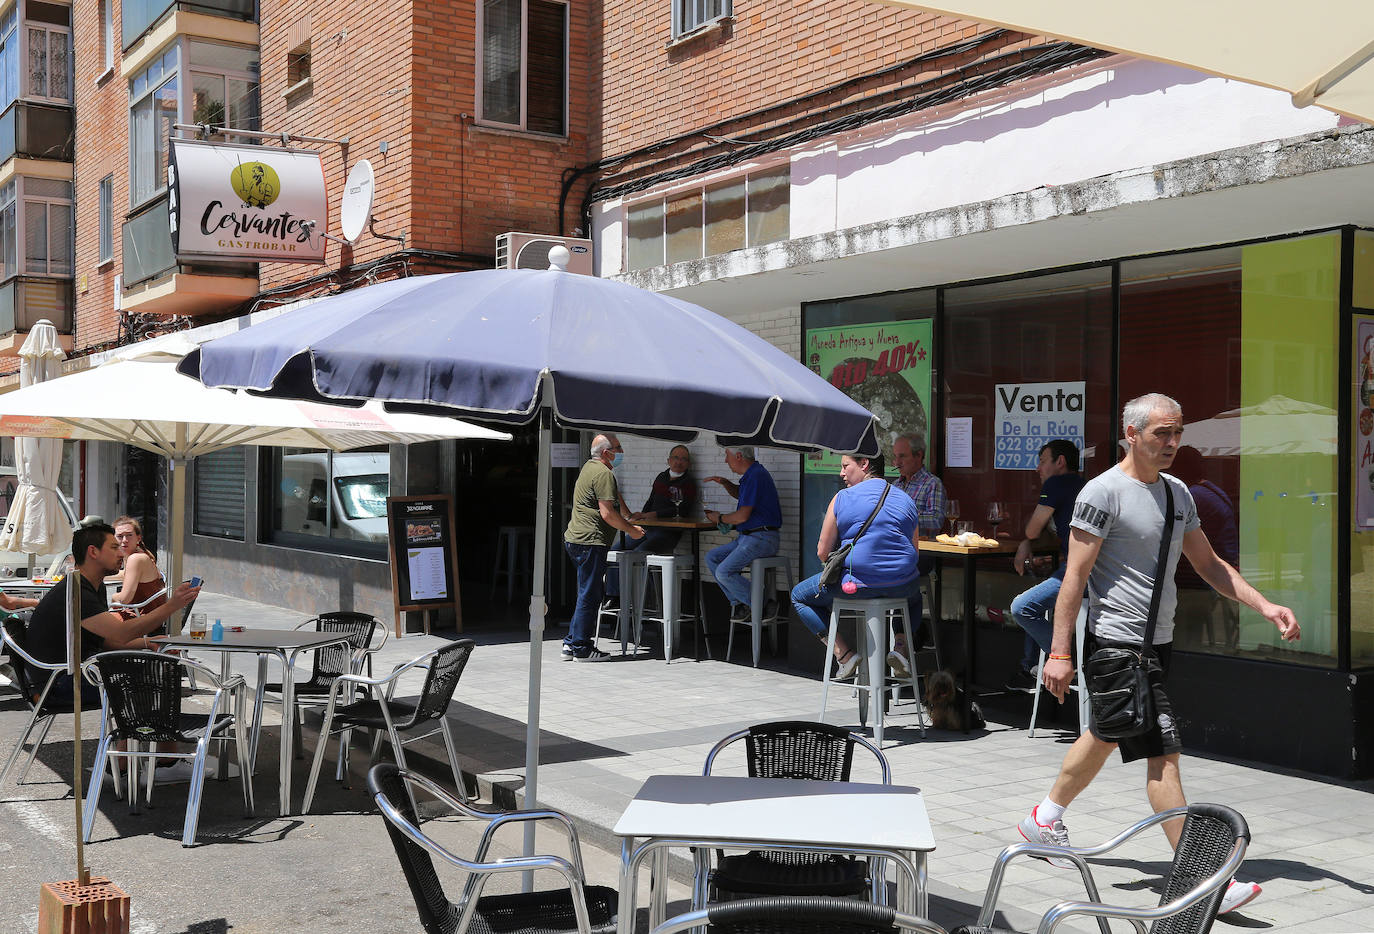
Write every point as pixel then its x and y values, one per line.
pixel 384 689
pixel 18 657
pixel 1213 885
pixel 215 730
pixel 481 868
pixel 786 911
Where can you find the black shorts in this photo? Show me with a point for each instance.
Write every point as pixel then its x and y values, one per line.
pixel 1162 738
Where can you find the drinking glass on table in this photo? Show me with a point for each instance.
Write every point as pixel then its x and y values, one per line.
pixel 997 514
pixel 675 494
pixel 196 628
pixel 952 513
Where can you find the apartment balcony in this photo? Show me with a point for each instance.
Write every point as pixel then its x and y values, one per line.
pixel 26 300
pixel 154 282
pixel 141 17
pixel 36 131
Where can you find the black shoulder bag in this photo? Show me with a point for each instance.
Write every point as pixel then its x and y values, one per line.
pixel 836 562
pixel 1119 693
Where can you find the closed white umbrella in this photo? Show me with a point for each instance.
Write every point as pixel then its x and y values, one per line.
pixel 1321 52
pixel 36 523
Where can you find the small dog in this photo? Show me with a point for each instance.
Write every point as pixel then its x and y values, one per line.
pixel 945 701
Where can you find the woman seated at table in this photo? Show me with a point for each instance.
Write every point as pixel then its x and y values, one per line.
pixel 141 578
pixel 884 560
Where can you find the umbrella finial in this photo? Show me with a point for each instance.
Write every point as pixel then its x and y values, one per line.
pixel 559 258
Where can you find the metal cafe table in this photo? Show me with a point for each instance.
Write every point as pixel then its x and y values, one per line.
pixel 286 645
pixel 708 811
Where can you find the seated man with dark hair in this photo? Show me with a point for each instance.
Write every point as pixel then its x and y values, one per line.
pixel 97 555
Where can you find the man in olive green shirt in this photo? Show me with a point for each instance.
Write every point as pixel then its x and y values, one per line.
pixel 596 516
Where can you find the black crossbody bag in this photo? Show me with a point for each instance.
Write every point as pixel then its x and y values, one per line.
pixel 1119 693
pixel 838 560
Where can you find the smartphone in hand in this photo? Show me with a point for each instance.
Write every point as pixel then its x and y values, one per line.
pixel 195 582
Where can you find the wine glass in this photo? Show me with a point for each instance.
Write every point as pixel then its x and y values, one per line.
pixel 675 494
pixel 997 514
pixel 952 513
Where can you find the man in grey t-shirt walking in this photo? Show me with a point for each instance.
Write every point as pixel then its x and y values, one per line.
pixel 1114 548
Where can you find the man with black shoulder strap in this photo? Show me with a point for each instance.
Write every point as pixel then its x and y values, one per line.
pixel 1116 546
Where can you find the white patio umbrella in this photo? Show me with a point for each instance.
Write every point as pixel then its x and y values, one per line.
pixel 1321 52
pixel 36 523
pixel 1278 425
pixel 138 398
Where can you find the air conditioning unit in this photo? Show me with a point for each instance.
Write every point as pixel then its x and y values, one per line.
pixel 531 251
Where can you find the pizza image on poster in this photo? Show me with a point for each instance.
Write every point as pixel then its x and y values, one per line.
pixel 886 368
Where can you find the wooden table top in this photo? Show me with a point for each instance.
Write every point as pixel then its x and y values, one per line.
pixel 688 524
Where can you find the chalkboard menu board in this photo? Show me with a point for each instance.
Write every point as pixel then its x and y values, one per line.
pixel 424 555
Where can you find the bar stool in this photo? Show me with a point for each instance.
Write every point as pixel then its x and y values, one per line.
pixel 760 570
pixel 672 572
pixel 513 544
pixel 871 643
pixel 631 565
pixel 1079 628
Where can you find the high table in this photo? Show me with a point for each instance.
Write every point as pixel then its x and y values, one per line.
pixel 696 527
pixel 285 644
pixel 706 811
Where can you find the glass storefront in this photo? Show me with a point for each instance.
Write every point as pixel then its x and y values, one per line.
pixel 1249 339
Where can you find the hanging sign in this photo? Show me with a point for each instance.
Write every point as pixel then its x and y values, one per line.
pixel 1030 415
pixel 241 203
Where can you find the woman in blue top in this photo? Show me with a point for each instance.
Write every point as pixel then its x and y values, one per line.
pixel 884 560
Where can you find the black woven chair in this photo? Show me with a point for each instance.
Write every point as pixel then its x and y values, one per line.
pixel 140 706
pixel 381 713
pixel 798 915
pixel 1210 849
pixel 587 909
pixel 799 749
pixel 35 689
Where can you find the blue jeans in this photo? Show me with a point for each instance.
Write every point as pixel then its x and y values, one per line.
pixel 590 561
pixel 1032 610
pixel 728 562
pixel 813 608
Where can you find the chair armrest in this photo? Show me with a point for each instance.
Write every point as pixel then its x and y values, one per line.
pixel 46 666
pixel 519 817
pixel 138 607
pixel 716 749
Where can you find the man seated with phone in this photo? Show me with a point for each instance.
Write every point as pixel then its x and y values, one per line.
pixel 97 555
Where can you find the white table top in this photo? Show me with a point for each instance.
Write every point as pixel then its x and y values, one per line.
pixel 257 640
pixel 718 808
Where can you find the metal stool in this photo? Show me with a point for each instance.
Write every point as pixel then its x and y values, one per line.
pixel 871 643
pixel 672 570
pixel 632 573
pixel 513 544
pixel 759 572
pixel 1080 627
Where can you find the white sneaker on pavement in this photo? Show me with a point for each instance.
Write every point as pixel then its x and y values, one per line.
pixel 1052 834
pixel 897 662
pixel 1237 894
pixel 174 774
pixel 848 667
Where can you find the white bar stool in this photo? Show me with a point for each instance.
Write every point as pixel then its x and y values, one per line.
pixel 1080 627
pixel 673 571
pixel 760 571
pixel 631 564
pixel 513 543
pixel 871 642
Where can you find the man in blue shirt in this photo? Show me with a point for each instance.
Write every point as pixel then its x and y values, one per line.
pixel 1060 482
pixel 757 517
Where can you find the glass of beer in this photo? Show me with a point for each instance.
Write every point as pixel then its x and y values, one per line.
pixel 196 629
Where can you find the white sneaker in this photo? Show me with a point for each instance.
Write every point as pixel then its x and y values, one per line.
pixel 174 774
pixel 1053 834
pixel 847 668
pixel 1237 894
pixel 897 662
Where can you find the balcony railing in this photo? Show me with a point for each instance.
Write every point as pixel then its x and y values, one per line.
pixel 24 301
pixel 148 243
pixel 140 16
pixel 37 131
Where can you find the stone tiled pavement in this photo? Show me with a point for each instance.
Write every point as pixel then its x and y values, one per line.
pixel 606 727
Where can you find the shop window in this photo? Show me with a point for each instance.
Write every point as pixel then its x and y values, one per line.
pixel 1245 339
pixel 218 494
pixel 743 212
pixel 1362 473
pixel 689 15
pixel 327 502
pixel 523 65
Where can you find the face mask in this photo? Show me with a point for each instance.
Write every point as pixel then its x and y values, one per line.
pixel 674 473
pixel 617 459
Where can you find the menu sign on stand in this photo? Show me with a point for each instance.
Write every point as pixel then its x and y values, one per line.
pixel 424 556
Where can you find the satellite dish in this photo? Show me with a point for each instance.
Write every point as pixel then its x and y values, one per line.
pixel 356 209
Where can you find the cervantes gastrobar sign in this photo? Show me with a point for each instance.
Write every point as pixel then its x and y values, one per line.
pixel 234 202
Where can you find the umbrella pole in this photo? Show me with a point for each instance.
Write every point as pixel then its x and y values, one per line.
pixel 538 610
pixel 176 521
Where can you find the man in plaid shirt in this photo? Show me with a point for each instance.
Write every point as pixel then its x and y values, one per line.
pixel 924 488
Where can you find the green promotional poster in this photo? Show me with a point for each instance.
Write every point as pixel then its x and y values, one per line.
pixel 885 368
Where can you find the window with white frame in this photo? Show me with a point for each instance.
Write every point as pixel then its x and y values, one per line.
pixel 523 65
pixel 224 85
pixel 10 53
pixel 48 44
pixel 106 218
pixel 732 214
pixel 154 105
pixel 107 33
pixel 693 14
pixel 36 227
